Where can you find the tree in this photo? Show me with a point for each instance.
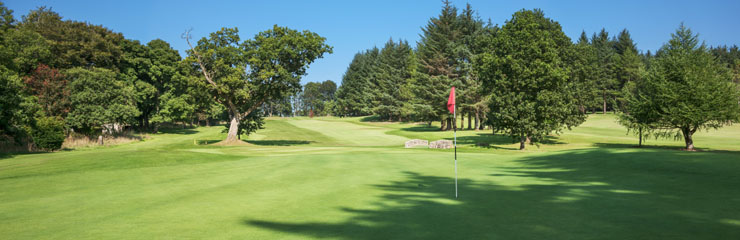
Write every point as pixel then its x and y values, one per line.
pixel 48 133
pixel 20 52
pixel 526 74
pixel 583 75
pixel 317 97
pixel 639 114
pixel 312 100
pixel 10 101
pixel 50 88
pixel 354 96
pixel 99 97
pixel 152 69
pixel 474 41
pixel 436 53
pixel 75 44
pixel 629 66
pixel 606 80
pixel 243 75
pixel 389 83
pixel 688 89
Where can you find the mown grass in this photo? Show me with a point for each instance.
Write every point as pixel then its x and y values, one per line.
pixel 348 179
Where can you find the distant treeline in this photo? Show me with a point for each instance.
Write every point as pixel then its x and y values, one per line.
pixel 60 77
pixel 525 78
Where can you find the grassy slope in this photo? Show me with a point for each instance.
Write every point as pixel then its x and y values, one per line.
pixel 347 179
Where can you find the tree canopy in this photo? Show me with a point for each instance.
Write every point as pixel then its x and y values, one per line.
pixel 527 76
pixel 243 75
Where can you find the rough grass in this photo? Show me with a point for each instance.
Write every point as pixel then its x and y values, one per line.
pixel 348 179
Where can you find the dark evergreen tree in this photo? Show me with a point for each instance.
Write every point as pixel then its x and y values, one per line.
pixel 607 58
pixel 686 89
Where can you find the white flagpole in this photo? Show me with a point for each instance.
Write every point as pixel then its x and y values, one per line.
pixel 454 115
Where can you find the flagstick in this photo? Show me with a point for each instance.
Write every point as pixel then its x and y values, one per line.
pixel 454 115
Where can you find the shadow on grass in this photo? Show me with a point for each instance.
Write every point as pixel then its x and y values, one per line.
pixel 661 147
pixel 421 128
pixel 487 139
pixel 208 141
pixel 372 118
pixel 583 194
pixel 278 142
pixel 178 130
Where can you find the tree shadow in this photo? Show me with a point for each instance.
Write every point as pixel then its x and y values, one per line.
pixel 372 118
pixel 278 142
pixel 10 154
pixel 186 131
pixel 421 128
pixel 660 147
pixel 583 194
pixel 488 139
pixel 208 141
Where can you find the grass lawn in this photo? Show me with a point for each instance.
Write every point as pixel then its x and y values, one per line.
pixel 347 178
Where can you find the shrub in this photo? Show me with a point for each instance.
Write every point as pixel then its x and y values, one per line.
pixel 48 133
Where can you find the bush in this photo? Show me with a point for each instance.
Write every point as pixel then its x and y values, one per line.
pixel 48 133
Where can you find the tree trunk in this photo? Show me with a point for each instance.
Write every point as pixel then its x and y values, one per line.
pixel 604 103
pixel 687 136
pixel 449 124
pixel 442 125
pixel 462 121
pixel 522 142
pixel 477 120
pixel 233 129
pixel 470 116
pixel 208 122
pixel 640 144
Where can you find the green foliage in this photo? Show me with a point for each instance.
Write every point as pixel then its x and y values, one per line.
pixel 585 66
pixel 154 70
pixel 10 101
pixel 389 84
pixel 527 76
pixel 317 97
pixel 251 123
pixel 354 96
pixel 607 58
pixel 174 109
pixel 50 88
pixel 73 43
pixel 686 89
pixel 99 97
pixel 244 75
pixel 48 133
pixel 437 56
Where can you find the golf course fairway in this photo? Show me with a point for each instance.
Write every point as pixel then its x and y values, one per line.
pixel 348 178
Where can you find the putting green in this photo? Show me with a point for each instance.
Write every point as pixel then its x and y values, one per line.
pixel 348 179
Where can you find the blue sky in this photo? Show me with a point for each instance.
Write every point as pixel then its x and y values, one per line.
pixel 352 26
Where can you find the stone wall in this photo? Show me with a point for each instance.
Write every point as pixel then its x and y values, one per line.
pixel 416 142
pixel 443 144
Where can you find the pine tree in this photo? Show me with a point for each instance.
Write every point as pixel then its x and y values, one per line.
pixel 687 89
pixel 584 74
pixel 606 56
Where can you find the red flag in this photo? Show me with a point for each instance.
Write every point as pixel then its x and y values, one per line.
pixel 451 101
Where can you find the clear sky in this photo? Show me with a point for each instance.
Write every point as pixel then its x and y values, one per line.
pixel 352 26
